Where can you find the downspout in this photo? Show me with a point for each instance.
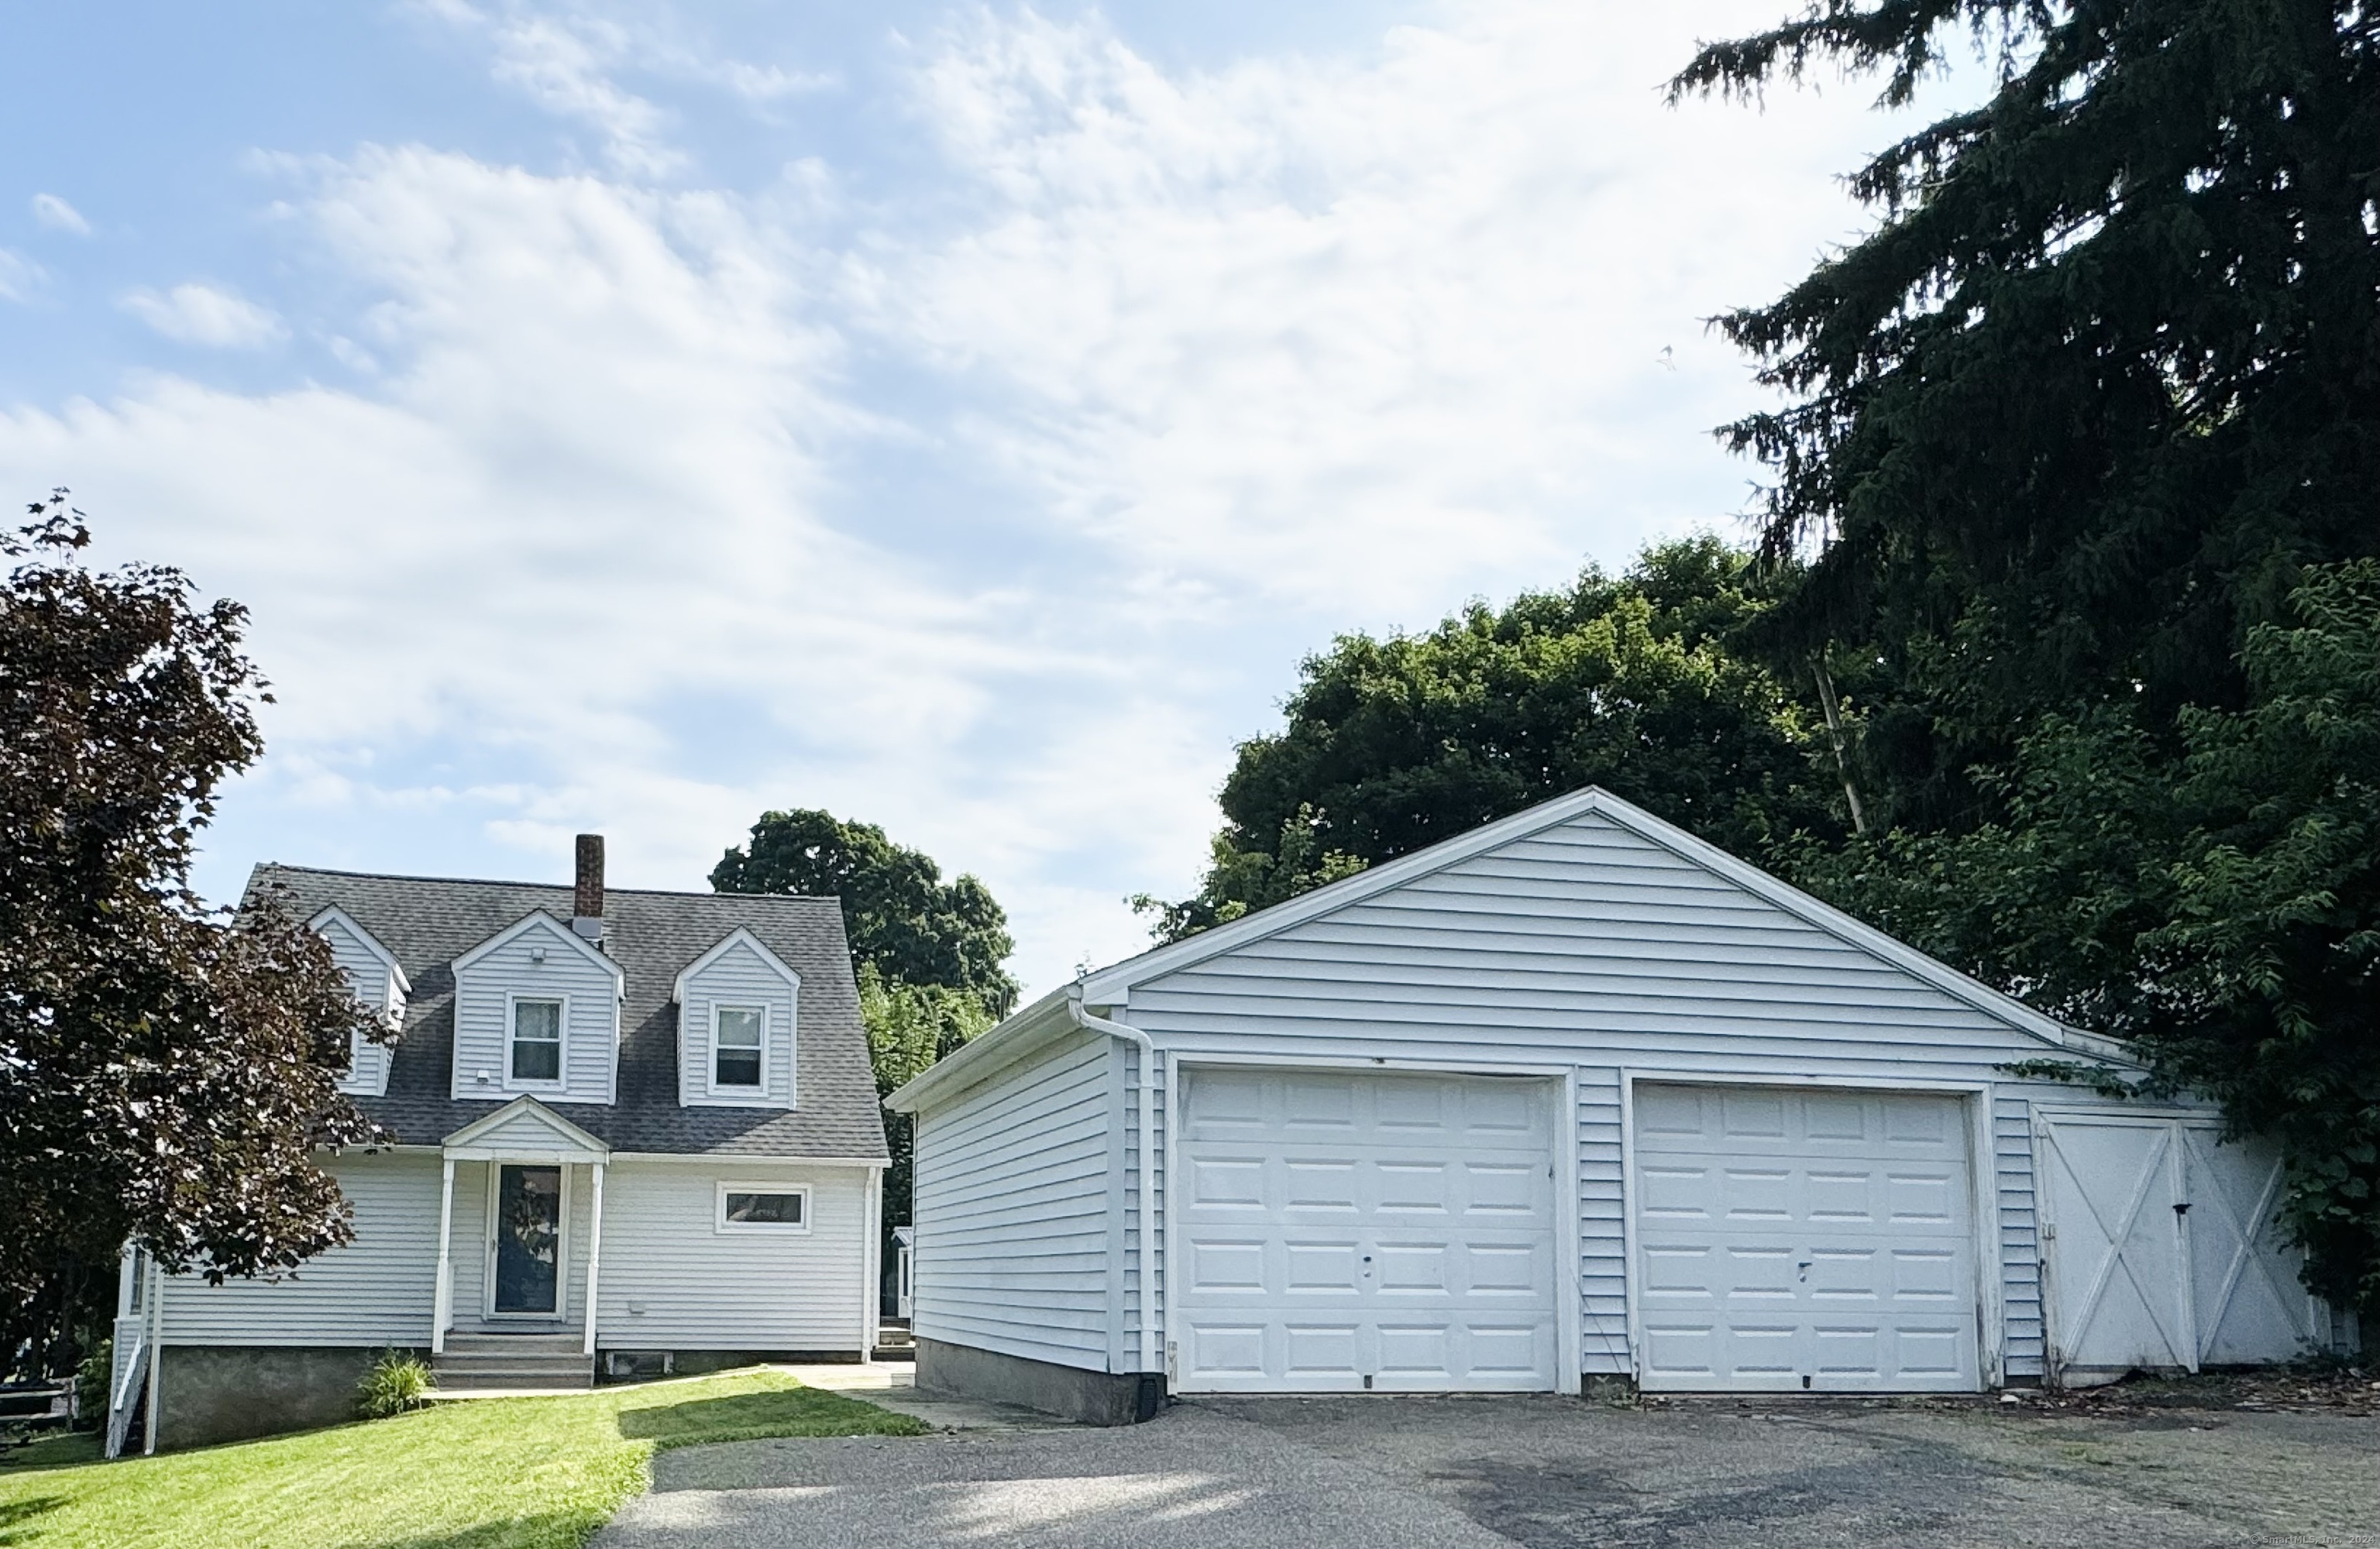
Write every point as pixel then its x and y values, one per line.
pixel 1145 1255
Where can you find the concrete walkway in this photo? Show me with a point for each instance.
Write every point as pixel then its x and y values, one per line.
pixel 893 1386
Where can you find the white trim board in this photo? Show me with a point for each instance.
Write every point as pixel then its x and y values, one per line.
pixel 538 919
pixel 742 936
pixel 370 942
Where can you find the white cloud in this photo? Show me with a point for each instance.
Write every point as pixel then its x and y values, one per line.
pixel 56 214
pixel 1352 333
pixel 623 526
pixel 197 314
pixel 569 61
pixel 20 276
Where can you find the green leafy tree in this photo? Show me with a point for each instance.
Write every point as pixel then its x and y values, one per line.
pixel 1394 744
pixel 2064 426
pixel 909 1028
pixel 901 915
pixel 929 955
pixel 2064 434
pixel 2220 908
pixel 165 1073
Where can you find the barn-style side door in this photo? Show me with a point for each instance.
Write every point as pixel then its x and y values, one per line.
pixel 2159 1252
pixel 2116 1297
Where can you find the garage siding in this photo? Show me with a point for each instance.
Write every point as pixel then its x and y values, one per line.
pixel 376 1290
pixel 1589 944
pixel 2019 1234
pixel 1013 1209
pixel 1602 1225
pixel 1135 1305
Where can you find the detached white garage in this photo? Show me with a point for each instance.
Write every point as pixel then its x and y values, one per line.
pixel 1573 1096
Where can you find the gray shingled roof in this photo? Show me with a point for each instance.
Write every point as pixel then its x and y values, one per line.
pixel 429 922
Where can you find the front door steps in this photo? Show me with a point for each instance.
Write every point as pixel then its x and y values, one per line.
pixel 481 1365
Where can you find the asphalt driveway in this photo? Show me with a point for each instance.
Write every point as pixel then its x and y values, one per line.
pixel 1546 1473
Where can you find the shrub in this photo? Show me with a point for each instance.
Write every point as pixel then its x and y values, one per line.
pixel 92 1378
pixel 397 1382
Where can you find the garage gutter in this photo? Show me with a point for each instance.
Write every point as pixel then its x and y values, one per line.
pixel 1144 1255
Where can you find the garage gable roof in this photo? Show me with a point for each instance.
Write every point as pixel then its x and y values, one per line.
pixel 1113 987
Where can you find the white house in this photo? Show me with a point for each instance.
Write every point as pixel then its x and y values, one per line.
pixel 635 1130
pixel 1573 1097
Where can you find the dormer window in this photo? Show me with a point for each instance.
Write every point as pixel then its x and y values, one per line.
pixel 738 1009
pixel 537 1040
pixel 738 1034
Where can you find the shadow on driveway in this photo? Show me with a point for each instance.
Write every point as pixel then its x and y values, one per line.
pixel 1545 1473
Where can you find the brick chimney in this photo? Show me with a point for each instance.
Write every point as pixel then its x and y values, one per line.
pixel 587 908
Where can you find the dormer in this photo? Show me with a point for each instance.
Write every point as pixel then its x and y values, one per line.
pixel 737 1009
pixel 536 1013
pixel 377 981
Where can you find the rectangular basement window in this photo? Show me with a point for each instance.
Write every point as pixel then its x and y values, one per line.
pixel 735 1041
pixel 763 1207
pixel 537 1040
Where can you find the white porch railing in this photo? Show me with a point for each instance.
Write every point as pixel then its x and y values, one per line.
pixel 124 1383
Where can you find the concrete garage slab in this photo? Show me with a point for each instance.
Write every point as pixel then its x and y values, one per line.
pixel 1544 1473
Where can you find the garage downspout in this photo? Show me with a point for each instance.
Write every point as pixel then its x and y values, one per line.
pixel 1144 1256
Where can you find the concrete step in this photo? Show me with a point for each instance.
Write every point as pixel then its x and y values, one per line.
pixel 563 1343
pixel 481 1363
pixel 451 1380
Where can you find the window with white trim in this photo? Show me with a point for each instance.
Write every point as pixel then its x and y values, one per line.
pixel 738 1033
pixel 763 1207
pixel 537 1040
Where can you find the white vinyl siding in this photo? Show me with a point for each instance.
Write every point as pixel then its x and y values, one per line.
pixel 741 978
pixel 1602 1227
pixel 376 1290
pixel 1588 945
pixel 1013 1210
pixel 484 993
pixel 369 977
pixel 671 1281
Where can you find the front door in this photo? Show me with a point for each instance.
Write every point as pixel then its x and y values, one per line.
pixel 527 1248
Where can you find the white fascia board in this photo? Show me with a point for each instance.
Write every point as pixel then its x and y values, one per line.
pixel 466 1138
pixel 1003 1046
pixel 371 943
pixel 1113 987
pixel 738 937
pixel 746 1159
pixel 538 919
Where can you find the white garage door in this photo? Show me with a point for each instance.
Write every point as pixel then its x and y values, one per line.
pixel 1348 1232
pixel 1804 1240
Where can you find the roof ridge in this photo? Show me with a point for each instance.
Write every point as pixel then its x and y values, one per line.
pixel 550 886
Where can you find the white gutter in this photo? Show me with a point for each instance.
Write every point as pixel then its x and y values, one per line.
pixel 1145 1254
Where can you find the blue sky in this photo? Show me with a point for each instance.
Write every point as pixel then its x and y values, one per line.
pixel 632 418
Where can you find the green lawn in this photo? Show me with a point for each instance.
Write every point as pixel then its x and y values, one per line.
pixel 494 1474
